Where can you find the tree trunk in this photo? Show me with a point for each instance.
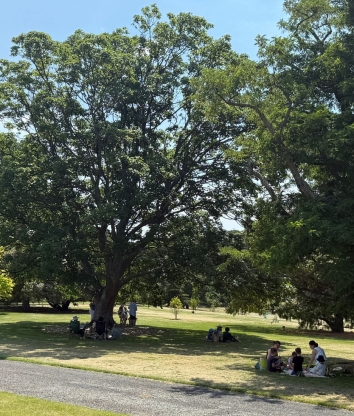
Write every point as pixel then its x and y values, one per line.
pixel 26 304
pixel 105 301
pixel 336 323
pixel 62 307
pixel 65 305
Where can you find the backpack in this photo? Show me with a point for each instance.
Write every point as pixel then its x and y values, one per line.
pixel 210 335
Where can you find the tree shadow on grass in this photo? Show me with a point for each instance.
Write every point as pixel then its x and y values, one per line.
pixel 27 339
pixel 273 388
pixel 217 393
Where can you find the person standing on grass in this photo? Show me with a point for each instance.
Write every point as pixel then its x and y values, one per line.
pixel 92 309
pixel 132 312
pixel 123 314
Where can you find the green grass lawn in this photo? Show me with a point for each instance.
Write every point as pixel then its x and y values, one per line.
pixel 175 350
pixel 14 404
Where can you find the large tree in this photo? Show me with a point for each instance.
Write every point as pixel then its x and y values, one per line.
pixel 104 146
pixel 299 97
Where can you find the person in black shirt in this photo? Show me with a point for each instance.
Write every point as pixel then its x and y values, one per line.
pixel 297 362
pixel 227 337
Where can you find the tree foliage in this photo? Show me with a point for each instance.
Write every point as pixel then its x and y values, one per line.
pixel 104 146
pixel 6 283
pixel 176 305
pixel 299 98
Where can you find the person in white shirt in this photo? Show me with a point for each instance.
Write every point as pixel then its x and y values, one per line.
pixel 92 309
pixel 132 312
pixel 318 357
pixel 319 369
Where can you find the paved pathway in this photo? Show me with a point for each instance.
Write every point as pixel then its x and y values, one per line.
pixel 141 397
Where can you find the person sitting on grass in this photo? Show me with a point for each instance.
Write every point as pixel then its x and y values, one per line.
pixel 297 362
pixel 273 362
pixel 276 345
pixel 263 361
pixel 228 337
pixel 319 370
pixel 75 327
pixel 101 326
pixel 317 351
pixel 290 361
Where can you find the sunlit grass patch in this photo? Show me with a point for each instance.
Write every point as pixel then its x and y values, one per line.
pixel 14 404
pixel 177 351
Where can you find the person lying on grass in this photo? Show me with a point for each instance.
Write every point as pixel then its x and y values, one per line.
pixel 273 362
pixel 228 337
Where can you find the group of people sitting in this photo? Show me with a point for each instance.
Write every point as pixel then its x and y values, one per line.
pixel 295 365
pixel 99 327
pixel 217 335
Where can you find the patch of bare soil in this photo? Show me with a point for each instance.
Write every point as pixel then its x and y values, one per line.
pixel 126 330
pixel 42 309
pixel 56 329
pixel 141 330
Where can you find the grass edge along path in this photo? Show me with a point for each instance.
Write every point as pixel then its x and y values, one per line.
pixel 252 392
pixel 19 405
pixel 182 348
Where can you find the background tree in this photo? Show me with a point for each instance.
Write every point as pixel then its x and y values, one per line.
pixel 6 283
pixel 109 147
pixel 176 305
pixel 299 98
pixel 194 304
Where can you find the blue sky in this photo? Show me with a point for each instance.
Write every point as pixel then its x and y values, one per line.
pixel 242 19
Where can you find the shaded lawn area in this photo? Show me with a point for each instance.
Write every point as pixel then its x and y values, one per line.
pixel 175 350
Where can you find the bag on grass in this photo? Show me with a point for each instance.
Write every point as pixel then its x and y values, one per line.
pixel 209 337
pixel 257 366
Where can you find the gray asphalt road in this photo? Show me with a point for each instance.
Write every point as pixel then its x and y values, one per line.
pixel 138 397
